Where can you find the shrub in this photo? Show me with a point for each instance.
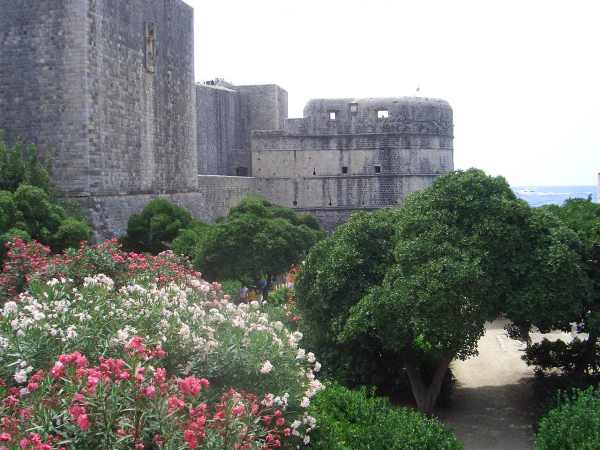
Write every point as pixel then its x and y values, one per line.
pixel 352 420
pixel 132 403
pixel 67 306
pixel 189 241
pixel 21 165
pixel 232 288
pixel 156 226
pixel 71 232
pixel 573 425
pixel 30 210
pixel 257 240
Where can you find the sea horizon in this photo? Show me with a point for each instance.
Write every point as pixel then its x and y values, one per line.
pixel 539 195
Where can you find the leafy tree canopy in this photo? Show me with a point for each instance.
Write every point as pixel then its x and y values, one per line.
pixel 257 239
pixel 465 251
pixel 156 226
pixel 582 356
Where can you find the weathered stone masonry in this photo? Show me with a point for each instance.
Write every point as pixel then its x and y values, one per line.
pixel 107 88
pixel 74 79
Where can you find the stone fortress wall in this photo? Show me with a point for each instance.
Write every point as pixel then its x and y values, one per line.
pixel 107 87
pixel 354 154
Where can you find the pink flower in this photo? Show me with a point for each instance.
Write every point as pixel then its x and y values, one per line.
pixel 160 375
pixel 58 370
pixel 149 391
pixel 238 410
pixel 135 345
pixel 175 403
pixel 83 422
pixel 192 385
pixel 5 437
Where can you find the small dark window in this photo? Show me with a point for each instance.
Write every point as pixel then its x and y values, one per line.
pixel 377 169
pixel 353 108
pixel 295 203
pixel 314 171
pixel 383 114
pixel 344 169
pixel 241 171
pixel 332 115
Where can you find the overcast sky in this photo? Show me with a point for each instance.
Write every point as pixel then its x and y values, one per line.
pixel 523 76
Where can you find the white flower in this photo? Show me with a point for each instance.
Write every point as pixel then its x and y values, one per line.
pixel 266 367
pixel 184 331
pixel 305 402
pixel 9 308
pixel 317 366
pixel 296 424
pixel 71 333
pixel 306 439
pixel 21 376
pixel 301 354
pixel 311 357
pixel 52 282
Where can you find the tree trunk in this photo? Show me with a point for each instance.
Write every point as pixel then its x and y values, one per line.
pixel 426 394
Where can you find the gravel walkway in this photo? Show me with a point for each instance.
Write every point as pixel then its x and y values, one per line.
pixel 492 399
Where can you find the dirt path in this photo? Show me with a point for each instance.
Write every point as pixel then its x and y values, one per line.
pixel 492 400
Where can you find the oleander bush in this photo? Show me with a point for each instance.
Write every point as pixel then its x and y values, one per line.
pixel 101 302
pixel 573 425
pixel 132 403
pixel 354 420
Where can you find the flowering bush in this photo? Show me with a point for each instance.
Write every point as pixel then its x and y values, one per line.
pixel 122 404
pixel 163 303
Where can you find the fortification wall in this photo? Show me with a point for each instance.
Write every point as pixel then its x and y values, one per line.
pixel 360 191
pixel 263 107
pixel 43 52
pixel 349 154
pixel 350 161
pixel 108 214
pixel 107 87
pixel 141 92
pixel 219 142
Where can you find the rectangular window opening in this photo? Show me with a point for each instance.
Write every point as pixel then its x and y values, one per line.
pixel 377 169
pixel 332 115
pixel 353 108
pixel 241 171
pixel 344 169
pixel 383 114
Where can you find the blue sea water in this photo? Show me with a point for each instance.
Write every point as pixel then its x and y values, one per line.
pixel 553 195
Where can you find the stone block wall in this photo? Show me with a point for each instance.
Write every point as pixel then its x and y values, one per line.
pixel 108 214
pixel 43 64
pixel 350 154
pixel 219 132
pixel 105 87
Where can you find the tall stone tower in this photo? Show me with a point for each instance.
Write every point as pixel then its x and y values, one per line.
pixel 106 86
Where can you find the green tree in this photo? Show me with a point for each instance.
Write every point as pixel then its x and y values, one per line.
pixel 581 356
pixel 257 239
pixel 337 273
pixel 465 251
pixel 29 212
pixel 156 226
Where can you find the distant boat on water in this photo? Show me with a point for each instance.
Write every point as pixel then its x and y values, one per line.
pixel 553 195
